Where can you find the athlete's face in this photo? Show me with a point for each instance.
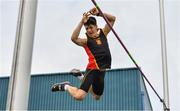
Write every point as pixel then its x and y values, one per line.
pixel 91 30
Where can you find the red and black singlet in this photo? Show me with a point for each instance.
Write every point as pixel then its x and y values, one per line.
pixel 98 52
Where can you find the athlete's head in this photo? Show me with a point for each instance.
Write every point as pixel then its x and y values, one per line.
pixel 91 26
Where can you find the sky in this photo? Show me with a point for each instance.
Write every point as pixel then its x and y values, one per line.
pixel 137 24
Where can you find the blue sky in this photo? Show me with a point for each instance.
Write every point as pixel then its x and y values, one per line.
pixel 137 24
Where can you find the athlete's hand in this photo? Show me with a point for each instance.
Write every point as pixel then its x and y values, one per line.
pixel 85 17
pixel 94 11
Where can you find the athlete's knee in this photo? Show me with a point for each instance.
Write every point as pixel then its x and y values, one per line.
pixel 80 95
pixel 96 97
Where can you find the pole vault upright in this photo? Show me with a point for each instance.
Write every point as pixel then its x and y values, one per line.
pixel 18 91
pixel 164 55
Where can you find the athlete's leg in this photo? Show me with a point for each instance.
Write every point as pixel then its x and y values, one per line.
pixel 77 73
pixel 96 97
pixel 78 94
pixel 98 84
pixel 86 80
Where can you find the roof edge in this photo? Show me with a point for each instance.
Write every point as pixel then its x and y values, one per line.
pixel 54 73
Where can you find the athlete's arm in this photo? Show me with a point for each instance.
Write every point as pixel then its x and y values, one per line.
pixel 75 35
pixel 110 18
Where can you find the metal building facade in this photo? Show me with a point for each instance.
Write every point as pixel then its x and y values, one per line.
pixel 3 92
pixel 124 90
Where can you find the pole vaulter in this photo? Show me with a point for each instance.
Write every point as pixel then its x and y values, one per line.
pixel 124 47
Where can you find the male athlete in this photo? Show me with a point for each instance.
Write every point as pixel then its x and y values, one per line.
pixel 96 47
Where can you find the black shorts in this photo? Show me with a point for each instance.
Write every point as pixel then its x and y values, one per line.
pixel 94 79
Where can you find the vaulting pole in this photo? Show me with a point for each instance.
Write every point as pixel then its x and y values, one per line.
pixel 18 91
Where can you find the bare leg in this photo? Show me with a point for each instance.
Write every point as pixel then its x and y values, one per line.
pixel 78 94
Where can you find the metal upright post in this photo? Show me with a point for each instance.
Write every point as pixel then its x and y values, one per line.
pixel 18 92
pixel 164 55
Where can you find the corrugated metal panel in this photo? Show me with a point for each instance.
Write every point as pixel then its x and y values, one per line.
pixel 122 92
pixel 146 104
pixel 3 92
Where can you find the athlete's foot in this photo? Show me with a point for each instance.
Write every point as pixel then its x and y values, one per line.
pixel 59 86
pixel 77 73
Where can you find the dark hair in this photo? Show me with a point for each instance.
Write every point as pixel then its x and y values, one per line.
pixel 91 21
